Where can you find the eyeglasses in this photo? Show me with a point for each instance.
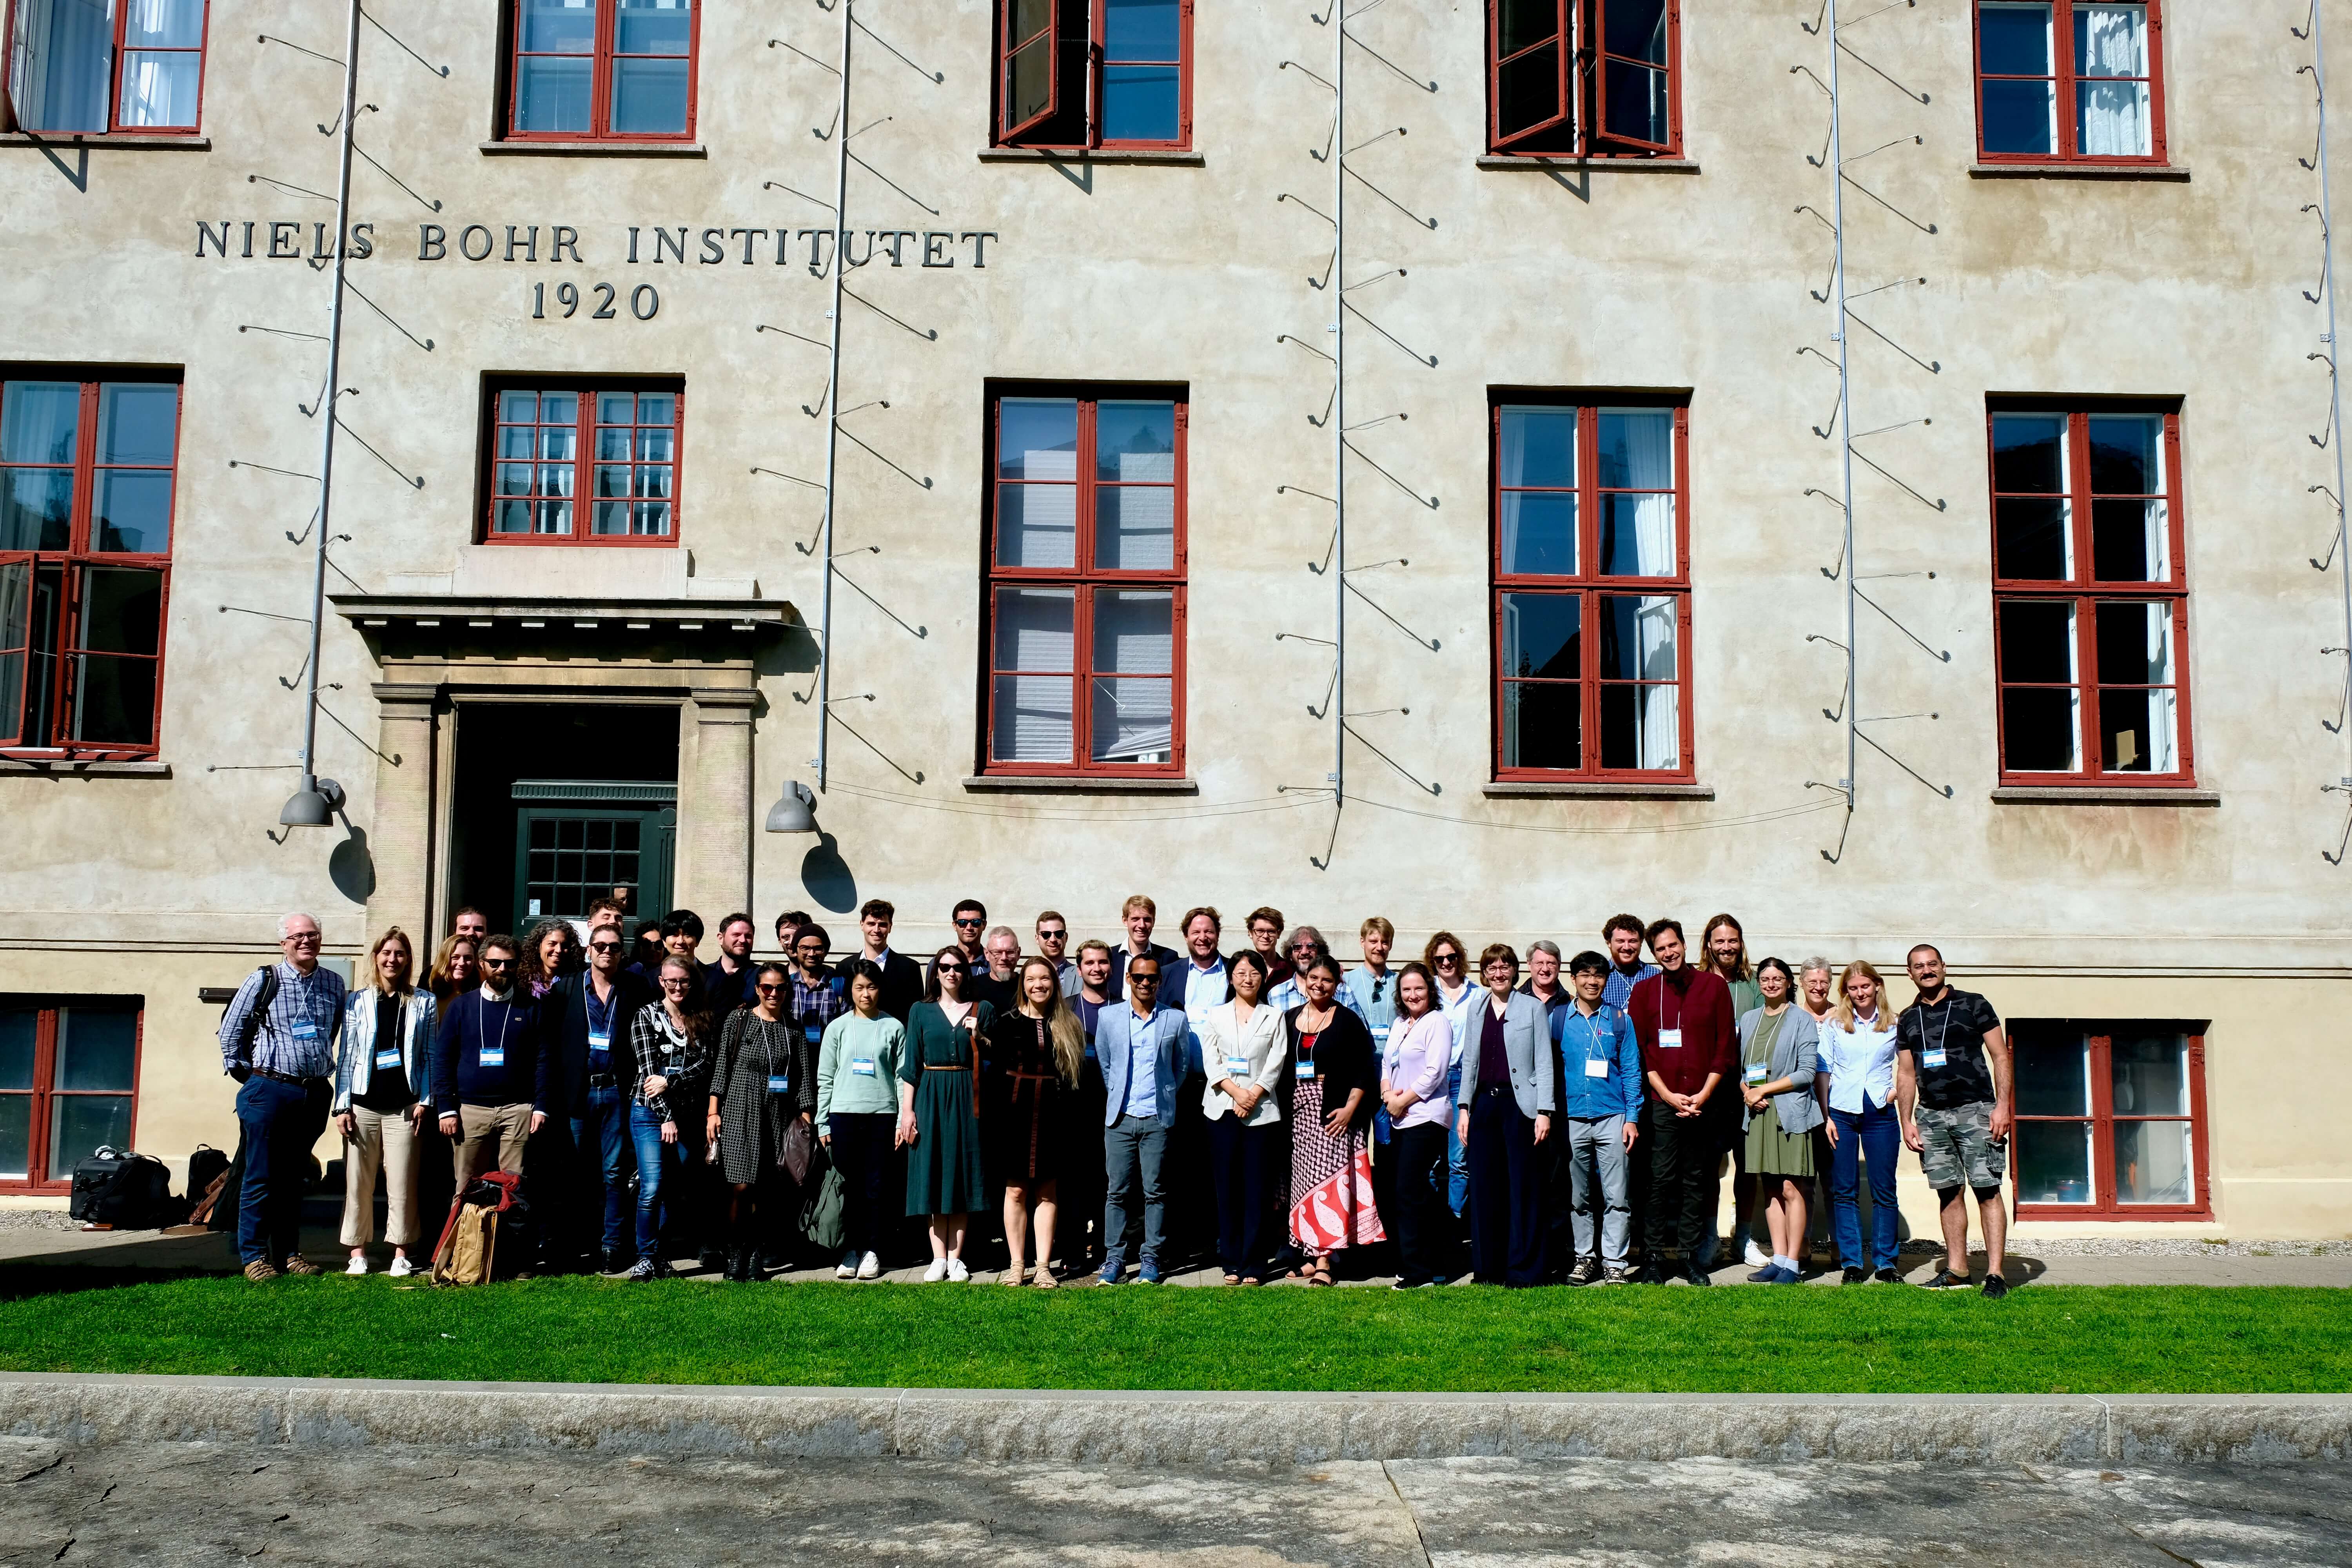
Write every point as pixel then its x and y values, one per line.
pixel 309 937
pixel 680 981
pixel 767 990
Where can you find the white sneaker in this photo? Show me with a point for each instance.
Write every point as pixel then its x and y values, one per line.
pixel 936 1272
pixel 358 1265
pixel 400 1267
pixel 845 1270
pixel 957 1271
pixel 869 1266
pixel 1757 1256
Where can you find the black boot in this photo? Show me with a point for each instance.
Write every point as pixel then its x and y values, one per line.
pixel 739 1263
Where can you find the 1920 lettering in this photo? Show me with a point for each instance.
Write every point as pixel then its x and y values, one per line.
pixel 645 302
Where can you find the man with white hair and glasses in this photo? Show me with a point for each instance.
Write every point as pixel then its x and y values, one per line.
pixel 278 1040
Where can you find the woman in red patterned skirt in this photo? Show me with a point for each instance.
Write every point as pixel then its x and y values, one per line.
pixel 1332 1078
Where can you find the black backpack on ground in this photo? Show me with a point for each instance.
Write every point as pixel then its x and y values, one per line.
pixel 128 1191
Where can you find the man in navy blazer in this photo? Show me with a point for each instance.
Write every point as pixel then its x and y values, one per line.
pixel 1142 1047
pixel 583 1172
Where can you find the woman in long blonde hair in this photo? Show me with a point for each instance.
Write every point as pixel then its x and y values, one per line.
pixel 383 1082
pixel 1041 1049
pixel 1857 1051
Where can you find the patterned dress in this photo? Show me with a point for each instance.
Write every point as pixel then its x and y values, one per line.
pixel 1330 1177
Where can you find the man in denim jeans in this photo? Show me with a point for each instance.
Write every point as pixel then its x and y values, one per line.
pixel 1142 1047
pixel 587 1017
pixel 281 1051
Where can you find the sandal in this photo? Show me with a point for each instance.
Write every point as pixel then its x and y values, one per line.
pixel 1013 1275
pixel 1320 1276
pixel 1232 1278
pixel 1046 1280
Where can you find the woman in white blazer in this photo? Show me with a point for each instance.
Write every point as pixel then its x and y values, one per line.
pixel 382 1088
pixel 1243 1051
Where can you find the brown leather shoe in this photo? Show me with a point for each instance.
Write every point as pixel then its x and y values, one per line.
pixel 298 1264
pixel 261 1271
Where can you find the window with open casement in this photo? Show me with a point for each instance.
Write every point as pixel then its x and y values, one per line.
pixel 99 68
pixel 584 462
pixel 600 70
pixel 2090 596
pixel 1591 588
pixel 2111 1121
pixel 86 466
pixel 1083 598
pixel 1585 78
pixel 2070 82
pixel 1080 74
pixel 68 1084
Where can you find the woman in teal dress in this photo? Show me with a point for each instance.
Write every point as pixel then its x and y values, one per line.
pixel 938 1110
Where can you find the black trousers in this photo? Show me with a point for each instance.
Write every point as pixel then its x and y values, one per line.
pixel 1683 1189
pixel 1417 1216
pixel 1506 1207
pixel 862 1147
pixel 1242 1160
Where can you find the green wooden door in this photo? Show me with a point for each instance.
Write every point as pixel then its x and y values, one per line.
pixel 566 857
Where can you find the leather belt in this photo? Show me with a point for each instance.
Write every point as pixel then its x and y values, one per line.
pixel 288 1077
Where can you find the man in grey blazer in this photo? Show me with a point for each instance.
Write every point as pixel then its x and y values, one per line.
pixel 1508 1089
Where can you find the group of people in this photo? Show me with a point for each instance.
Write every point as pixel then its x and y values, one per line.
pixel 1263 1105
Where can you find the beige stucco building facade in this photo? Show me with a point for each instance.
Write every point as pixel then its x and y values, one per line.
pixel 2213 911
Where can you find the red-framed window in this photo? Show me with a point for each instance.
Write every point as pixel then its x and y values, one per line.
pixel 86 464
pixel 68 1084
pixel 2090 595
pixel 2111 1121
pixel 2070 82
pixel 602 71
pixel 584 462
pixel 1093 73
pixel 1083 603
pixel 95 67
pixel 1587 79
pixel 1592 587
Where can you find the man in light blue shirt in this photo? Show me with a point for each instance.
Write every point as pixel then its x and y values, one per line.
pixel 1142 1047
pixel 1600 1093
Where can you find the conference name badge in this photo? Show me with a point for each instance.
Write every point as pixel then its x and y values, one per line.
pixel 388 1056
pixel 494 1056
pixel 602 1042
pixel 1755 1072
pixel 1307 1066
pixel 779 1083
pixel 816 1032
pixel 1596 1067
pixel 1670 1039
pixel 862 1066
pixel 1237 1067
pixel 1931 1056
pixel 304 1029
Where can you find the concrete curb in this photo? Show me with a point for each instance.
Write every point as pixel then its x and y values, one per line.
pixel 1142 1429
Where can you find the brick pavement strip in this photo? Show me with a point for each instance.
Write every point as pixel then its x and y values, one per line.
pixel 385 1505
pixel 1119 1429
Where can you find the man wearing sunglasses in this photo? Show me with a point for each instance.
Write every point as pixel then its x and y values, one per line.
pixel 277 1041
pixel 587 1019
pixel 1053 946
pixel 1142 1050
pixel 969 920
pixel 489 1073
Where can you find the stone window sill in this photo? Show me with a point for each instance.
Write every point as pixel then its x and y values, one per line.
pixel 1563 163
pixel 1078 783
pixel 1594 789
pixel 2176 174
pixel 2063 795
pixel 67 767
pixel 120 139
pixel 1176 156
pixel 595 150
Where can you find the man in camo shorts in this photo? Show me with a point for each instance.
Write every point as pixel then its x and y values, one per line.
pixel 1951 1058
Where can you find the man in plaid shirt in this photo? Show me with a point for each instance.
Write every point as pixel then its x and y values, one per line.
pixel 282 1053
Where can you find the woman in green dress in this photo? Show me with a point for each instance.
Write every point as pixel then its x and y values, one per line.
pixel 1778 1046
pixel 938 1110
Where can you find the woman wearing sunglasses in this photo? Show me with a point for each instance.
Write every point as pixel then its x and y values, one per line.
pixel 670 1042
pixel 765 1081
pixel 938 1110
pixel 1456 991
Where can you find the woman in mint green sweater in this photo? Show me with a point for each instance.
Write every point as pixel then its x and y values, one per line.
pixel 857 1068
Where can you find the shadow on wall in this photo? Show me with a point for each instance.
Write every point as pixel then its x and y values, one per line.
pixel 352 868
pixel 827 876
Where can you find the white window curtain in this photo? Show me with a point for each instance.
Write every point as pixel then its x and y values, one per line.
pixel 1134 636
pixel 1657 711
pixel 2114 117
pixel 16 619
pixel 2164 704
pixel 62 64
pixel 1637 453
pixel 1035 719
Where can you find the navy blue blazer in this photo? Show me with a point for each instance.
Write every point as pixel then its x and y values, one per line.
pixel 563 1014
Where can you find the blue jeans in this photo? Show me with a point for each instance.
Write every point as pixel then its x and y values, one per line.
pixel 280 1121
pixel 1873 1135
pixel 1457 1158
pixel 1134 1148
pixel 662 1172
pixel 602 1136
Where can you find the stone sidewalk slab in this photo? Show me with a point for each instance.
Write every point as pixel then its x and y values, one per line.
pixel 1177 1428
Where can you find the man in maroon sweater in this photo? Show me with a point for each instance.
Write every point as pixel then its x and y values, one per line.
pixel 1689 1051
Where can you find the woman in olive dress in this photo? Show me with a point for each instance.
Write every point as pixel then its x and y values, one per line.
pixel 938 1110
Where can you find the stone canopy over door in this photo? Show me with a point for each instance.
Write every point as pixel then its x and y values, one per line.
pixel 448 663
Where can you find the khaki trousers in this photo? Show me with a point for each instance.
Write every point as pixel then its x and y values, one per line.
pixel 491 1135
pixel 389 1142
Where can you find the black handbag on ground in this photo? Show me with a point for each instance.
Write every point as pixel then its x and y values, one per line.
pixel 128 1191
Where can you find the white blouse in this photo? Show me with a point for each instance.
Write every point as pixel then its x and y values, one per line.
pixel 1252 1051
pixel 1859 1060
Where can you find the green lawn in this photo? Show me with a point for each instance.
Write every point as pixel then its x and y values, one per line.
pixel 2079 1339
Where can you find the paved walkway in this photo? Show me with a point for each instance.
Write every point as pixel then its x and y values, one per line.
pixel 394 1504
pixel 25 1244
